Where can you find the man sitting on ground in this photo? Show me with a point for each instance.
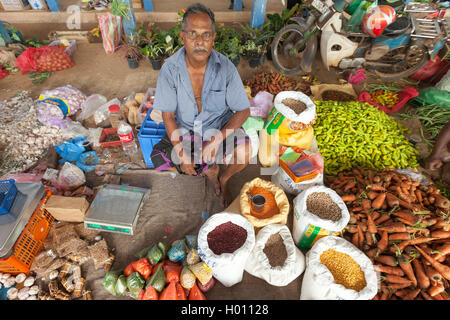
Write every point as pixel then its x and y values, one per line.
pixel 204 105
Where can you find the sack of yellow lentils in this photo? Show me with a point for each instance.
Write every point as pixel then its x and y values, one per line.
pixel 337 270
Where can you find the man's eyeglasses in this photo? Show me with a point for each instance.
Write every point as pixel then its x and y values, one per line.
pixel 193 35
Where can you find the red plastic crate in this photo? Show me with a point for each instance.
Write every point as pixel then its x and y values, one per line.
pixel 106 132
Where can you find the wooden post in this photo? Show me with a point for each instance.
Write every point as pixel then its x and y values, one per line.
pixel 237 5
pixel 53 5
pixel 148 5
pixel 258 13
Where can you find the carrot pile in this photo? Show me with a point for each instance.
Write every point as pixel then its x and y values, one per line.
pixel 271 82
pixel 403 227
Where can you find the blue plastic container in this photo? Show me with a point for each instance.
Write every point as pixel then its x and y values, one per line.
pixel 8 191
pixel 151 133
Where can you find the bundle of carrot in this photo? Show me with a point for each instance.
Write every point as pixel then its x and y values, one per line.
pixel 271 82
pixel 403 227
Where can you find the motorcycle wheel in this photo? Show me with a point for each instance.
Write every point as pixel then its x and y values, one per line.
pixel 402 65
pixel 282 48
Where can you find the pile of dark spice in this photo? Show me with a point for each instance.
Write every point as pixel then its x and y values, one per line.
pixel 333 95
pixel 275 250
pixel 226 238
pixel 296 105
pixel 112 137
pixel 321 204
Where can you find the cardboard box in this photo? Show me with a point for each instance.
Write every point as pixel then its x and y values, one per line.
pixel 70 209
pixel 15 5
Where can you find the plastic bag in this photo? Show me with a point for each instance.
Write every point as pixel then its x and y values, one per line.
pixel 88 161
pixel 111 29
pixel 121 285
pixel 308 227
pixel 128 270
pixel 90 105
pixel 281 200
pixel 444 83
pixel 191 241
pixel 192 257
pixel 177 252
pixel 143 267
pixel 282 179
pixel 202 272
pixel 71 177
pixel 157 280
pixel 228 268
pixel 294 129
pixel 43 59
pixel 135 284
pixel 70 150
pixel 432 95
pixel 187 278
pixel 207 286
pixel 54 106
pixel 150 294
pixel 260 105
pixel 268 148
pixel 169 293
pixel 258 264
pixel 172 272
pixel 109 283
pixel 154 255
pixel 196 293
pixel 318 282
pixel 101 115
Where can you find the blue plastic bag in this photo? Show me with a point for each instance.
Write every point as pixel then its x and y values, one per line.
pixel 177 252
pixel 70 150
pixel 88 161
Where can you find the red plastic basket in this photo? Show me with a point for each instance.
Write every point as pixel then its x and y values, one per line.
pixel 30 240
pixel 107 132
pixel 403 97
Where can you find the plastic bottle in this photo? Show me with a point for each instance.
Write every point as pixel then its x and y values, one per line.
pixel 115 115
pixel 125 133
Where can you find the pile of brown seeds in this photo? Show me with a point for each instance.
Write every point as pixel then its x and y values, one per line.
pixel 321 204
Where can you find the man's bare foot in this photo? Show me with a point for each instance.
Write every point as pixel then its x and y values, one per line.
pixel 213 176
pixel 225 196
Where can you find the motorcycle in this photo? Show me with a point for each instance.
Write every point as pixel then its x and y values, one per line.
pixel 404 47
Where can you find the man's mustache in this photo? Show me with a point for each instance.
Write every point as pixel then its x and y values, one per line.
pixel 200 49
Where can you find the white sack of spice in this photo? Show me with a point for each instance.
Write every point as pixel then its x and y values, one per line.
pixel 318 282
pixel 228 268
pixel 259 262
pixel 23 139
pixel 319 215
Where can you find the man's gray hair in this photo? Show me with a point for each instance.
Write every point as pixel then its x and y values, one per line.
pixel 198 8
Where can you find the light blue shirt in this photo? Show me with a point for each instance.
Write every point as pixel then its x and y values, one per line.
pixel 222 93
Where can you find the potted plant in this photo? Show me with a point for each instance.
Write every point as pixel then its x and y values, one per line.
pixel 228 42
pixel 255 41
pixel 145 34
pixel 131 51
pixel 155 53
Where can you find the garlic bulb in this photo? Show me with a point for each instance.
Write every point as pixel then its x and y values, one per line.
pixel 34 290
pixel 29 282
pixel 21 277
pixel 12 293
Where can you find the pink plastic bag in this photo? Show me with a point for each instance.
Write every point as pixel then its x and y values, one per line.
pixel 403 97
pixel 111 29
pixel 23 177
pixel 261 104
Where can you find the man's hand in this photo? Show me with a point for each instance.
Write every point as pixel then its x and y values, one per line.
pixel 433 163
pixel 209 150
pixel 186 163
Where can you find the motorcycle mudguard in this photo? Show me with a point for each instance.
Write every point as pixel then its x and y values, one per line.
pixel 309 54
pixel 333 46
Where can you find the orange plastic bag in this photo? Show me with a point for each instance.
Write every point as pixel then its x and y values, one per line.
pixel 196 294
pixel 181 294
pixel 141 295
pixel 128 270
pixel 169 293
pixel 150 294
pixel 172 272
pixel 142 266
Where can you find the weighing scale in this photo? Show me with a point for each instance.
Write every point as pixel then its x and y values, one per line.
pixel 116 209
pixel 12 223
